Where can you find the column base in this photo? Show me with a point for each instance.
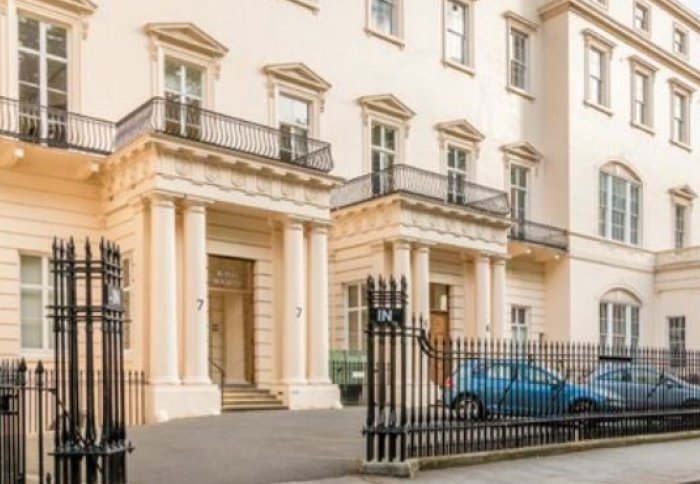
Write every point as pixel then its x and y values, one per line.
pixel 168 402
pixel 308 396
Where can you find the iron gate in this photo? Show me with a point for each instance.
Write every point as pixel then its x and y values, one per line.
pixel 87 392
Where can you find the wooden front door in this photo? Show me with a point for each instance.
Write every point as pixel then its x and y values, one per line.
pixel 439 335
pixel 231 320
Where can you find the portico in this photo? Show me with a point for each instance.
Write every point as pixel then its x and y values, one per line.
pixel 235 289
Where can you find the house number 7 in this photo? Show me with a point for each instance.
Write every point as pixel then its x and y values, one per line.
pixel 200 304
pixel 298 311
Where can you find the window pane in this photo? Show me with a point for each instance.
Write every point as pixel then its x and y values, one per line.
pixel 390 138
pixel 293 111
pixel 353 330
pixel 56 41
pixel 353 296
pixel 57 75
pixel 194 82
pixel 29 33
pixel 173 76
pixel 32 318
pixel 384 15
pixel 376 135
pixel 57 100
pixel 29 68
pixel 30 270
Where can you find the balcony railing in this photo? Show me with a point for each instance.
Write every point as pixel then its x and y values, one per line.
pixel 541 234
pixel 424 184
pixel 55 127
pixel 191 122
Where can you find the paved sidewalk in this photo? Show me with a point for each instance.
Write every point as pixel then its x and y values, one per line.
pixel 667 463
pixel 248 448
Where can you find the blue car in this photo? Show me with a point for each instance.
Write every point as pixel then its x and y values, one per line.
pixel 519 388
pixel 645 387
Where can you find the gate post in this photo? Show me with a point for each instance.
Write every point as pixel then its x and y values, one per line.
pixel 386 422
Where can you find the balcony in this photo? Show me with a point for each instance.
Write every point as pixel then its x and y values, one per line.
pixel 540 234
pixel 192 123
pixel 404 179
pixel 55 128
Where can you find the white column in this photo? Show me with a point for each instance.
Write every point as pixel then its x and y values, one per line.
pixel 482 273
pixel 498 309
pixel 402 268
pixel 163 301
pixel 421 286
pixel 318 310
pixel 294 334
pixel 196 344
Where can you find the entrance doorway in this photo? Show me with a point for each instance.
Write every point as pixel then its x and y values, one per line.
pixel 439 326
pixel 231 320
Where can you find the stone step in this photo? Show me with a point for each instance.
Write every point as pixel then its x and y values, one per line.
pixel 250 408
pixel 247 398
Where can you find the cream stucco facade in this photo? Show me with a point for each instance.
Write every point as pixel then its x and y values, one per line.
pixel 528 165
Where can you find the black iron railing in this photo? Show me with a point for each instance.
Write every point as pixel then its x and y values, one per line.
pixel 429 395
pixel 191 122
pixel 424 184
pixel 55 127
pixel 527 231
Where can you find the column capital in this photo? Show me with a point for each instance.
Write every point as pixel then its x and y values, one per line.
pixel 293 223
pixel 196 203
pixel 162 199
pixel 499 261
pixel 400 244
pixel 318 227
pixel 482 257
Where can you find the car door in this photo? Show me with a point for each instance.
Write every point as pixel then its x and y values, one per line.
pixel 647 387
pixel 539 391
pixel 494 387
pixel 619 382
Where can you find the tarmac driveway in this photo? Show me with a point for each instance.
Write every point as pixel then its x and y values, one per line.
pixel 248 448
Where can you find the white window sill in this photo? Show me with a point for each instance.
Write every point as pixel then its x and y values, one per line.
pixel 393 39
pixel 599 107
pixel 520 92
pixel 460 67
pixel 681 145
pixel 617 243
pixel 642 127
pixel 682 55
pixel 32 354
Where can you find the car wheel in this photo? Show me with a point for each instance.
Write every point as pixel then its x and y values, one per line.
pixel 582 406
pixel 468 407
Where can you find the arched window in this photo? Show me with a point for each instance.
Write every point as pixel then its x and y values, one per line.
pixel 620 201
pixel 619 319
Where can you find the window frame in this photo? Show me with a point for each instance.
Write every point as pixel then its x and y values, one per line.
pixel 526 28
pixel 630 340
pixel 606 229
pixel 639 67
pixel 45 289
pixel 680 89
pixel 468 65
pixel 360 309
pixel 683 53
pixel 387 110
pixel 671 331
pixel 595 41
pixel 397 37
pixel 646 26
pixel 680 226
pixel 516 324
pixel 526 190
